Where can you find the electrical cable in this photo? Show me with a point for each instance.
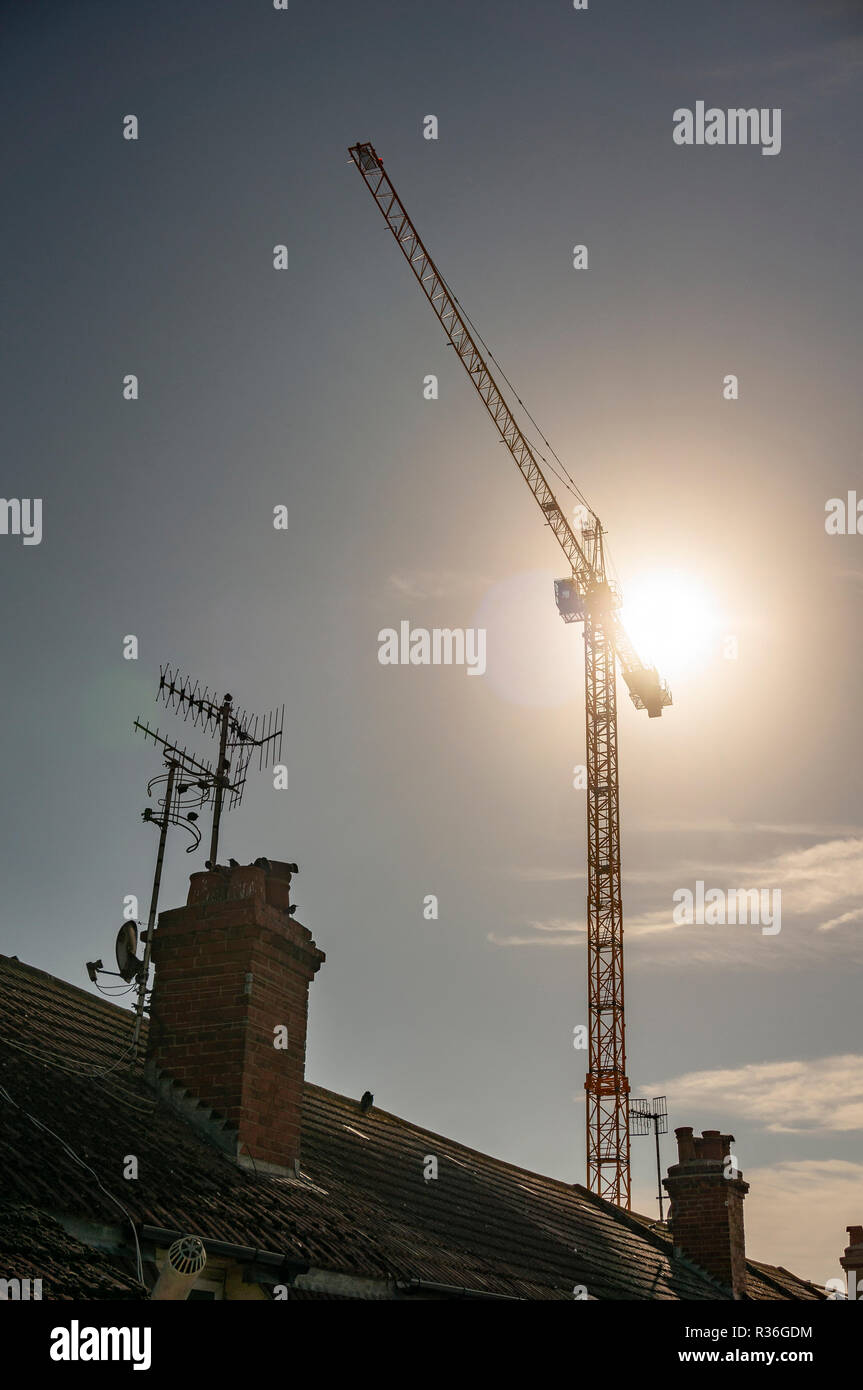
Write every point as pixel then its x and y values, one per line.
pixel 71 1152
pixel 53 1060
pixel 567 478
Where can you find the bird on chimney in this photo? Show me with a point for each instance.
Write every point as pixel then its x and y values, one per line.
pixel 367 1100
pixel 234 863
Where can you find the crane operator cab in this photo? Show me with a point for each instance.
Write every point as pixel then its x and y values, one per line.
pixel 573 604
pixel 570 603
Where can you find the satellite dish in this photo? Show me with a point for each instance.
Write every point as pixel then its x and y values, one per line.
pixel 126 946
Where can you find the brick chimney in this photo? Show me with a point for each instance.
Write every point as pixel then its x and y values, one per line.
pixel 232 972
pixel 852 1263
pixel 707 1207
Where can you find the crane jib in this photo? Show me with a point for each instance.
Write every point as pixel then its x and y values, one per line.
pixel 462 340
pixel 645 688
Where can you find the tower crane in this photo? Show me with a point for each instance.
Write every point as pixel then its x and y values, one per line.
pixel 588 596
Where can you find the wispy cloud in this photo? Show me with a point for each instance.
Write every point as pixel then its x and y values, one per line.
pixel 797 829
pixel 823 1094
pixel 821 888
pixel 546 875
pixel 854 915
pixel 820 877
pixel 657 875
pixel 574 940
pixel 831 65
pixel 554 931
pixel 557 931
pixel 425 584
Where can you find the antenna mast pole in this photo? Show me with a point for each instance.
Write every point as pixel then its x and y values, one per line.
pixel 241 734
pixel 658 1165
pixel 154 902
pixel 221 777
pixel 643 1114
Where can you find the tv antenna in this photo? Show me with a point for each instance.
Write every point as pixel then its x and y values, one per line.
pixel 240 734
pixel 187 784
pixel 643 1113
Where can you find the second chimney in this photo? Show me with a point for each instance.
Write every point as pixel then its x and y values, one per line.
pixel 707 1193
pixel 852 1263
pixel 229 1011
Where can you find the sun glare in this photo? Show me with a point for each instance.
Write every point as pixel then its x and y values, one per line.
pixel 672 621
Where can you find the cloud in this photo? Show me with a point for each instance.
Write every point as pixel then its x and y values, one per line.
pixel 538 875
pixel 853 916
pixel 817 829
pixel 821 1095
pixel 555 931
pixel 535 940
pixel 821 877
pixel 813 69
pixel 821 888
pixel 565 932
pixel 425 584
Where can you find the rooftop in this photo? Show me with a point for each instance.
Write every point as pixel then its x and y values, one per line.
pixel 74 1110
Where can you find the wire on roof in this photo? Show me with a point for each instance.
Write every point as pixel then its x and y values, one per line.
pixel 53 1060
pixel 71 1152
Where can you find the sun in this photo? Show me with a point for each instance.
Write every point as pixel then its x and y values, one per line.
pixel 672 621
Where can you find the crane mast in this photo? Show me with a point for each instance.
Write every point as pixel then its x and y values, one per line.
pixel 588 597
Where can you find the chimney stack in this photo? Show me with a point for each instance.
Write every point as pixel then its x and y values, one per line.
pixel 707 1195
pixel 852 1263
pixel 229 1011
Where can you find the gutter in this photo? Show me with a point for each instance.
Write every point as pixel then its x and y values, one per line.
pixel 273 1267
pixel 271 1263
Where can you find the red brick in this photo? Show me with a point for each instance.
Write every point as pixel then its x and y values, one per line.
pixel 211 1035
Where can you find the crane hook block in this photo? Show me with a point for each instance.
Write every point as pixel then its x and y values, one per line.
pixel 647 691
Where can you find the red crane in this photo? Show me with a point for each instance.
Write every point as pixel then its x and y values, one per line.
pixel 587 596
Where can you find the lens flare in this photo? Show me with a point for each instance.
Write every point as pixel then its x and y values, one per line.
pixel 672 620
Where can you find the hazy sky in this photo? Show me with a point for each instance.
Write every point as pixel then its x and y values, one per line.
pixel 304 388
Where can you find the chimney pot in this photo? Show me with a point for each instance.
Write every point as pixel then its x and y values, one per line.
pixel 852 1263
pixel 685 1145
pixel 707 1207
pixel 710 1145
